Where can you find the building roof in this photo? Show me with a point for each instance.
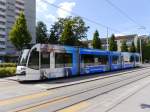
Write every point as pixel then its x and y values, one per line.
pixel 125 37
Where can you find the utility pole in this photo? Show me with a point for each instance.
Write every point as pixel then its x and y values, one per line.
pixel 140 37
pixel 107 41
pixel 141 56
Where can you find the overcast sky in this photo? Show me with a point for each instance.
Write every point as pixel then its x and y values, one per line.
pixel 100 11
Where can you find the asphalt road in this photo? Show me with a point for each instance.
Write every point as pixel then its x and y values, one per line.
pixel 99 95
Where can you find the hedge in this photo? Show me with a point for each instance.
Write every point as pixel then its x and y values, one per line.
pixel 8 65
pixel 7 71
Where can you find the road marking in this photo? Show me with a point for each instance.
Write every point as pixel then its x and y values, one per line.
pixel 23 98
pixel 75 108
pixel 44 106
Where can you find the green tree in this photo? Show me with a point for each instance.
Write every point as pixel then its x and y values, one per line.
pixel 138 46
pixel 52 38
pixel 41 32
pixel 67 37
pixel 132 48
pixel 146 52
pixel 112 43
pixel 78 26
pixel 19 34
pixel 124 47
pixel 96 41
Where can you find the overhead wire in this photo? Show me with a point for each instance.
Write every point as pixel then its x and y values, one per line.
pixel 123 13
pixel 87 19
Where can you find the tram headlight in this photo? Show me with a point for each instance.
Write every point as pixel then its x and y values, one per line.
pixel 21 70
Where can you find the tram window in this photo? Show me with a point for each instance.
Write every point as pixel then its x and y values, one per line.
pixel 63 60
pixel 94 60
pixel 34 60
pixel 88 60
pixel 115 59
pixel 137 58
pixel 45 60
pixel 131 58
pixel 126 58
pixel 103 60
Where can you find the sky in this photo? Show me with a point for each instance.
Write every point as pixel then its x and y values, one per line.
pixel 100 12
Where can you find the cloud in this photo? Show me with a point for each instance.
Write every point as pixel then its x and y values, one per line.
pixel 49 14
pixel 42 6
pixel 67 6
pixel 43 12
pixel 51 17
pixel 119 34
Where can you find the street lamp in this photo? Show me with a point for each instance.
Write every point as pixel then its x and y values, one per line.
pixel 107 40
pixel 140 37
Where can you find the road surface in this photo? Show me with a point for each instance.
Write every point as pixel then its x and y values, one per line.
pixel 117 92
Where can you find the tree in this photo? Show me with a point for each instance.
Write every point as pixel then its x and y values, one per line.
pixel 67 35
pixel 52 38
pixel 19 34
pixel 112 43
pixel 146 52
pixel 96 41
pixel 41 32
pixel 132 48
pixel 79 29
pixel 138 46
pixel 124 47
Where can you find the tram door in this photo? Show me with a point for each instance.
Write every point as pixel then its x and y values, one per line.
pixel 33 69
pixel 45 65
pixel 122 61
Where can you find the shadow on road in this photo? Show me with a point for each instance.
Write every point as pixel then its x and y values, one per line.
pixel 144 106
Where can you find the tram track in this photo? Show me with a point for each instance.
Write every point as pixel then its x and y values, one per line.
pixel 123 82
pixel 103 77
pixel 105 92
pixel 95 79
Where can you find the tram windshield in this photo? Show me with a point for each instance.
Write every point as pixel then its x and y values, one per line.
pixel 24 56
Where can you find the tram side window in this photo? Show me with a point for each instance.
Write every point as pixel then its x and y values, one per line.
pixel 45 60
pixel 103 60
pixel 63 60
pixel 87 60
pixel 94 60
pixel 132 58
pixel 34 60
pixel 126 58
pixel 115 60
pixel 137 58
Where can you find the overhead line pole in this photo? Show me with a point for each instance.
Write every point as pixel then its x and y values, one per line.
pixel 141 50
pixel 107 40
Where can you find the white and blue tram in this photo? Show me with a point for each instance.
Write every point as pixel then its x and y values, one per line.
pixel 44 61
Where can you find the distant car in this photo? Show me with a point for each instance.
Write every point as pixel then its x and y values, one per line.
pixel 146 61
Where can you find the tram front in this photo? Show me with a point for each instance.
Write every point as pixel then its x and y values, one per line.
pixel 28 66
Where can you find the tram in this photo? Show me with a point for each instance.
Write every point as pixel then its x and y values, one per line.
pixel 45 61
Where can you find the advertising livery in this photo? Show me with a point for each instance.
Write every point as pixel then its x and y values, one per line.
pixel 45 61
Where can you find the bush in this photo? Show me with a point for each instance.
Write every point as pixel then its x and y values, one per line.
pixel 8 65
pixel 7 71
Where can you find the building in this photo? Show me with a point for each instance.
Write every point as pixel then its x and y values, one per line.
pixel 119 39
pixel 9 11
pixel 128 38
pixel 145 38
